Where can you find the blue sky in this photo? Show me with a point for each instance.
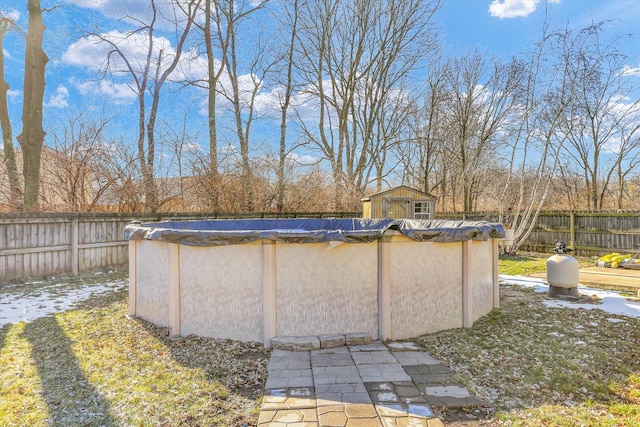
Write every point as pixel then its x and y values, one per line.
pixel 505 27
pixel 501 27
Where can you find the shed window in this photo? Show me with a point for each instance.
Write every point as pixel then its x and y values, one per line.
pixel 421 210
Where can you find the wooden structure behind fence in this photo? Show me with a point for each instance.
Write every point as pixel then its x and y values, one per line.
pixel 589 233
pixel 40 245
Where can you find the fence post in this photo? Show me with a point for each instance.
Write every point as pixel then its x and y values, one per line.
pixel 572 230
pixel 74 246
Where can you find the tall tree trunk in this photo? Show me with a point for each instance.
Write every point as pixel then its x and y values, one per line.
pixel 213 77
pixel 32 137
pixel 284 109
pixel 5 125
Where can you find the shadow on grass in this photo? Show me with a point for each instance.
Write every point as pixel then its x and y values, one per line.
pixel 241 367
pixel 4 330
pixel 71 399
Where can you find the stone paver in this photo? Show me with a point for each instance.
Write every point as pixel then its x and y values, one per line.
pixel 357 338
pixel 365 384
pixel 410 358
pixel 331 341
pixel 296 343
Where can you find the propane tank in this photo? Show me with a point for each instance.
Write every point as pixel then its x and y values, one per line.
pixel 562 272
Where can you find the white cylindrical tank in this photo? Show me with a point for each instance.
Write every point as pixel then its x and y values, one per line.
pixel 563 271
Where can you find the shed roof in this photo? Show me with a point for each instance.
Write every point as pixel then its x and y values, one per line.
pixel 390 190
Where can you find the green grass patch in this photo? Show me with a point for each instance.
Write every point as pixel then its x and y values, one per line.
pixel 95 367
pixel 554 367
pixel 527 263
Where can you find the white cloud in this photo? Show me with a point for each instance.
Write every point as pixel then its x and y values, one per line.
pixel 14 93
pixel 134 11
pixel 229 150
pixel 93 51
pixel 96 53
pixel 59 99
pixel 191 147
pixel 514 8
pixel 304 160
pixel 120 93
pixel 631 71
pixel 12 14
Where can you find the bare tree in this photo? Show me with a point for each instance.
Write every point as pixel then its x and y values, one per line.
pixel 353 58
pixel 79 168
pixel 602 128
pixel 32 137
pixel 629 161
pixel 231 17
pixel 479 97
pixel 534 141
pixel 181 150
pixel 291 24
pixel 215 69
pixel 233 81
pixel 156 69
pixel 422 154
pixel 15 192
pixel 126 193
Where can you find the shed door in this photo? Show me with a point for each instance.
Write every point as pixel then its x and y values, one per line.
pixel 397 208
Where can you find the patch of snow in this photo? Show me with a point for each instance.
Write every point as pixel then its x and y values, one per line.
pixel 420 411
pixel 453 391
pixel 387 397
pixel 17 307
pixel 610 301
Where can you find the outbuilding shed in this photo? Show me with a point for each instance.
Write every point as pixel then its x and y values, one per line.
pixel 401 203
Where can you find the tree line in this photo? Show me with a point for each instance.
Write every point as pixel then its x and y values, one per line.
pixel 364 87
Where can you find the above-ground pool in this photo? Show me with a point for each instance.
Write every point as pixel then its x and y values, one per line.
pixel 252 280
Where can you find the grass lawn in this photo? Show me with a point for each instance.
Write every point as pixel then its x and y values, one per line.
pixel 93 366
pixel 538 366
pixel 526 263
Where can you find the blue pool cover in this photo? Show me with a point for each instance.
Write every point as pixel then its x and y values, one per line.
pixel 300 230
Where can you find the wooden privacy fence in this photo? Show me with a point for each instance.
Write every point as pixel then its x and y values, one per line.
pixel 32 246
pixel 589 233
pixel 40 245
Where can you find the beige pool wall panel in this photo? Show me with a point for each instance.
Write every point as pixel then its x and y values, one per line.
pixel 426 291
pixel 152 281
pixel 325 288
pixel 481 275
pixel 221 291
